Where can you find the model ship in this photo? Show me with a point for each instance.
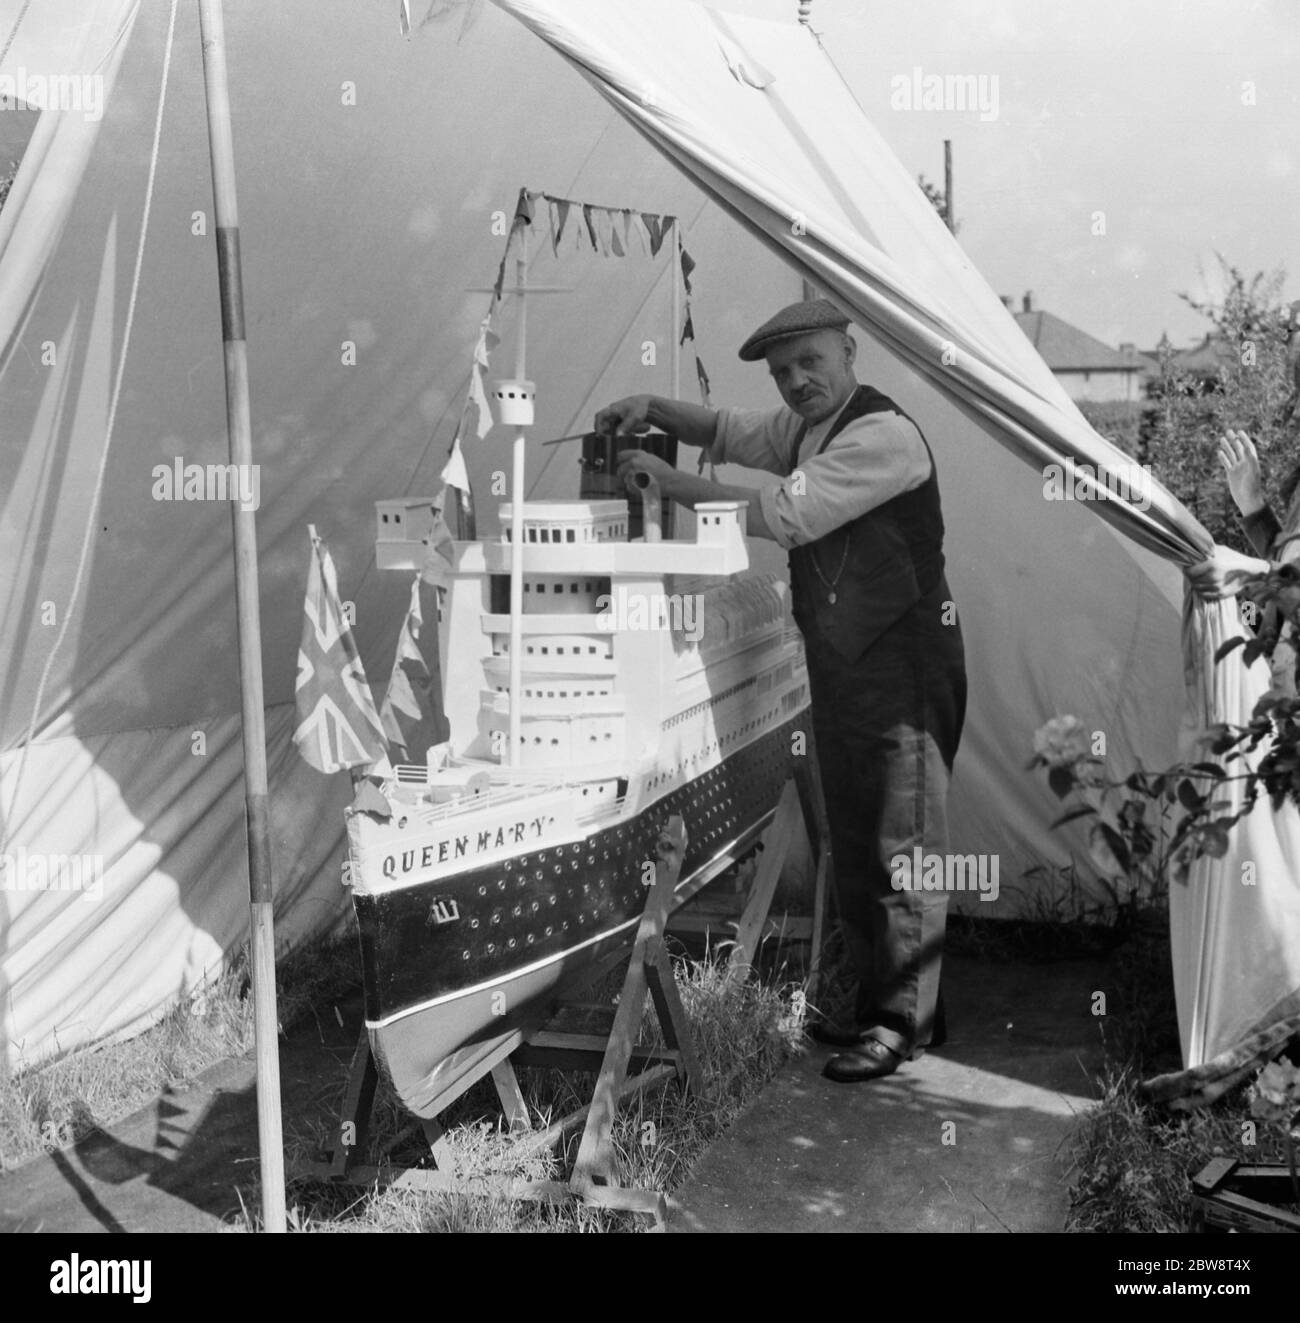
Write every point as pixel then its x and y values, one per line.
pixel 599 677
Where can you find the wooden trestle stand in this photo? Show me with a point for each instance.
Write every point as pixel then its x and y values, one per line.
pixel 649 974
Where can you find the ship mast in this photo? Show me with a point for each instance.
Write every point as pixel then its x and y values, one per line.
pixel 517 518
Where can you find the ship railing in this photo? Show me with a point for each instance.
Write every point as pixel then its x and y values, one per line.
pixel 433 812
pixel 416 776
pixel 601 809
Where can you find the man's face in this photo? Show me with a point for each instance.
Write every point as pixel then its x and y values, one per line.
pixel 814 372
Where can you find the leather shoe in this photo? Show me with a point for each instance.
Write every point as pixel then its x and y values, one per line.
pixel 833 1036
pixel 869 1062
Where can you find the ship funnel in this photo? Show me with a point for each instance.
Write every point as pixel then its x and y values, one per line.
pixel 514 400
pixel 650 505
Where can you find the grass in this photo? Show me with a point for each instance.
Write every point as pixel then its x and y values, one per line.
pixel 53 1105
pixel 1133 1161
pixel 742 1031
pixel 1136 1162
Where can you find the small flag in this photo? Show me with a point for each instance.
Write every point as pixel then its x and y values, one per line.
pixel 453 473
pixel 487 341
pixel 404 18
pixel 440 554
pixel 337 725
pixel 411 713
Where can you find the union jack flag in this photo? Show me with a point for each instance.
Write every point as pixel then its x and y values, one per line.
pixel 337 725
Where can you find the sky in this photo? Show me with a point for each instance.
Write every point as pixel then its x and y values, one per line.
pixel 1140 111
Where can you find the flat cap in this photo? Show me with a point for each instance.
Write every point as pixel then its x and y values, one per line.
pixel 797 319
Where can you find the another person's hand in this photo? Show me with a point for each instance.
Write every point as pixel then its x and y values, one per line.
pixel 625 417
pixel 1224 574
pixel 632 462
pixel 1241 465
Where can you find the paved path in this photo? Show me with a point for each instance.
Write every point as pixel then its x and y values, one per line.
pixel 968 1138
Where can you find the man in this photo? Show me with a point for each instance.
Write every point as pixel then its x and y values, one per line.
pixel 858 510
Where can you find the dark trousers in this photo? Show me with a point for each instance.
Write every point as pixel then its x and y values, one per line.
pixel 887 729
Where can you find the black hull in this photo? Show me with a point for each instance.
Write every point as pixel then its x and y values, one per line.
pixel 440 995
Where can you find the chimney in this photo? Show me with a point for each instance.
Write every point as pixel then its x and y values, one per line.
pixel 1028 301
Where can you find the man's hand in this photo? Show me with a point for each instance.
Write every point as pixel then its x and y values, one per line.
pixel 625 417
pixel 632 462
pixel 1224 574
pixel 1241 465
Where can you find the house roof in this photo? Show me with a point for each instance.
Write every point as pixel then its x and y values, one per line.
pixel 1208 356
pixel 1066 348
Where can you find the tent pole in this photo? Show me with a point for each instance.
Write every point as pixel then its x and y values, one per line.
pixel 257 801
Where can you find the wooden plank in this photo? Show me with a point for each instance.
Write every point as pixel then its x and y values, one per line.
pixel 818 935
pixel 595 1159
pixel 438 1146
pixel 357 1102
pixel 812 802
pixel 561 1057
pixel 672 1016
pixel 787 822
pixel 419 1178
pixel 786 927
pixel 512 1097
pixel 557 1131
pixel 1226 1208
pixel 650 1203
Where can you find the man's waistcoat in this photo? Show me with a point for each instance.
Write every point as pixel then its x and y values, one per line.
pixel 884 568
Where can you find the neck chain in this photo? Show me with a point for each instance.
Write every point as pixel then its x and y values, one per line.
pixel 829 585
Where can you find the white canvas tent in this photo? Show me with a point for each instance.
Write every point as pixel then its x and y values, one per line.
pixel 370 169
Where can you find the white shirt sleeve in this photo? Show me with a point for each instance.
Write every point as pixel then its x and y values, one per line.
pixel 873 459
pixel 756 438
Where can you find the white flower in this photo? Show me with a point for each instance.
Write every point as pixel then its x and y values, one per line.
pixel 1061 742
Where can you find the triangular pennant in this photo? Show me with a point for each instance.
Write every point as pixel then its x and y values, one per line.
pixel 404 18
pixel 688 265
pixel 591 225
pixel 654 231
pixel 615 243
pixel 454 473
pixel 703 380
pixel 688 328
pixel 561 216
pixel 605 230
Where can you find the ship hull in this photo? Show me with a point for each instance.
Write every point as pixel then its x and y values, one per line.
pixel 444 995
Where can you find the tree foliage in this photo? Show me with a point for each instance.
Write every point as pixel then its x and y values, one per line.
pixel 1244 387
